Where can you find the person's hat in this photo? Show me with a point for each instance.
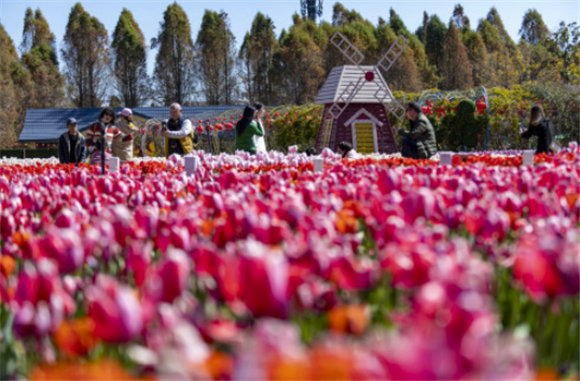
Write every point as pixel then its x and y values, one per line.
pixel 126 112
pixel 71 121
pixel 414 106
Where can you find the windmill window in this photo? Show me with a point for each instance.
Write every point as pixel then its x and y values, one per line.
pixel 363 125
pixel 364 136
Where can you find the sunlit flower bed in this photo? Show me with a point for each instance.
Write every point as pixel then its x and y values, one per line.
pixel 260 268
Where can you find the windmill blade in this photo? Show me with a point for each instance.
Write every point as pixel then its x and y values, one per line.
pixel 395 108
pixel 385 97
pixel 347 95
pixel 393 53
pixel 349 50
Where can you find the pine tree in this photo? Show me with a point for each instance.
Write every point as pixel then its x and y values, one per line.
pixel 298 63
pixel 494 19
pixel 533 29
pixel 403 74
pixel 539 60
pixel 483 75
pixel 257 53
pixel 174 66
pixel 130 61
pixel 425 70
pixel 39 57
pixel 459 18
pixel 565 45
pixel 216 46
pixel 501 62
pixel 86 55
pixel 10 95
pixel 455 66
pixel 422 30
pixel 342 16
pixel 435 41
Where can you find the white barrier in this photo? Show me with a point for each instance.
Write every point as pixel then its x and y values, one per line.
pixel 445 158
pixel 113 164
pixel 318 165
pixel 528 157
pixel 190 165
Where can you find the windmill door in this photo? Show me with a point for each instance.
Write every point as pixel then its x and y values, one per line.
pixel 364 137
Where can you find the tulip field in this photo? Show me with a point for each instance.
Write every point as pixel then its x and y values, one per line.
pixel 258 267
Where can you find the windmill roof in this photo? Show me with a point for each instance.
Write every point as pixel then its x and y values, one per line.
pixel 46 125
pixel 341 77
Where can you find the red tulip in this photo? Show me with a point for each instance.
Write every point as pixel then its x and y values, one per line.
pixel 547 266
pixel 171 277
pixel 138 260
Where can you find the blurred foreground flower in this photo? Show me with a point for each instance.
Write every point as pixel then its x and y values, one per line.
pixel 349 319
pixel 75 337
pixel 100 370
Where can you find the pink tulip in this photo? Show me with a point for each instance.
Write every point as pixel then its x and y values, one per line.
pixel 115 310
pixel 64 246
pixel 408 268
pixel 267 271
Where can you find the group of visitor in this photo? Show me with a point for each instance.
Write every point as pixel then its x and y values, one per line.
pixel 419 142
pixel 116 138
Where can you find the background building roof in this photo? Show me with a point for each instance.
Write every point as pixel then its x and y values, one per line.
pixel 46 125
pixel 341 76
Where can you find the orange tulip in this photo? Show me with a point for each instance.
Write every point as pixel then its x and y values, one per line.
pixel 349 319
pixel 219 366
pixel 284 368
pixel 75 337
pixel 100 370
pixel 7 265
pixel 546 374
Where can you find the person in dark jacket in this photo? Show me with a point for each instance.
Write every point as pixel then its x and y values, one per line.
pixel 540 127
pixel 178 133
pixel 420 142
pixel 71 144
pixel 246 129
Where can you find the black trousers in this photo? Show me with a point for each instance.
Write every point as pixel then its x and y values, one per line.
pixel 409 148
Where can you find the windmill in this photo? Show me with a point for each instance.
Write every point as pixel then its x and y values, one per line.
pixel 357 100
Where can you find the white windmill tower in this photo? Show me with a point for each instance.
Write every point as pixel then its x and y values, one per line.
pixel 357 100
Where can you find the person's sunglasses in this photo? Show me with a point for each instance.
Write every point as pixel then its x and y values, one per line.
pixel 111 115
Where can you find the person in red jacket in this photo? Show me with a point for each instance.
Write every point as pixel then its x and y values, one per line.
pixel 106 124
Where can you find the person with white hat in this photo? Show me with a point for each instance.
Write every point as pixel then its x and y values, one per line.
pixel 123 148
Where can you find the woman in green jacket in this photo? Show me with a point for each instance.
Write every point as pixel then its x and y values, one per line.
pixel 246 129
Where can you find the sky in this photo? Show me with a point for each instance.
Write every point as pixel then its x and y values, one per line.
pixel 149 13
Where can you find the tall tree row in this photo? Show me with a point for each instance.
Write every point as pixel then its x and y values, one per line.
pixel 275 69
pixel 11 95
